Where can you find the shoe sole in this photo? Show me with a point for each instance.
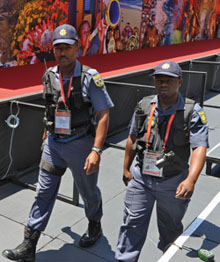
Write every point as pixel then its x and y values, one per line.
pixel 89 245
pixel 18 260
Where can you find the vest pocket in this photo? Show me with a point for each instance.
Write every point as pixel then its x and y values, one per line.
pixel 76 100
pixel 180 136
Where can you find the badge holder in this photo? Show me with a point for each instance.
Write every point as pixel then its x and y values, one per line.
pixel 63 122
pixel 63 116
pixel 149 164
pixel 151 158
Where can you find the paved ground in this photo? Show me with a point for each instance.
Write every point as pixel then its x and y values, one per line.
pixel 59 243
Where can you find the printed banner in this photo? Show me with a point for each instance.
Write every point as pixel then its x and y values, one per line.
pixel 103 26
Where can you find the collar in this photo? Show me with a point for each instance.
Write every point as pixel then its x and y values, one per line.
pixel 180 105
pixel 77 68
pixel 76 71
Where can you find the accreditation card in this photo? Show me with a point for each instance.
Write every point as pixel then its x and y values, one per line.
pixel 149 164
pixel 63 122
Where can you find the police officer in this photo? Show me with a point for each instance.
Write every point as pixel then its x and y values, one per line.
pixel 76 99
pixel 163 129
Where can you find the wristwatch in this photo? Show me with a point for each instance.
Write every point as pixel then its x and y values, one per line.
pixel 97 150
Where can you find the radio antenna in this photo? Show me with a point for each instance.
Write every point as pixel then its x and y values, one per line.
pixel 45 63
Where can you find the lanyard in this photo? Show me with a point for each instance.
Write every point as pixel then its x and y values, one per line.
pixel 62 88
pixel 167 130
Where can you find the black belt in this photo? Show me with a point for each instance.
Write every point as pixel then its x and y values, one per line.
pixel 84 130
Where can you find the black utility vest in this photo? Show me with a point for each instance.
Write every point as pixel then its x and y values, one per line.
pixel 80 111
pixel 178 140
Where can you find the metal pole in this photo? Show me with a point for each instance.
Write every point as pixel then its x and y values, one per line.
pixel 28 104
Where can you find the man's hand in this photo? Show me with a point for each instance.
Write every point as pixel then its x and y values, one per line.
pixel 93 159
pixel 44 136
pixel 127 176
pixel 129 157
pixel 185 189
pixel 92 163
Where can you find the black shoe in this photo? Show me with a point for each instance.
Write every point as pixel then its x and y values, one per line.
pixel 167 247
pixel 24 252
pixel 92 234
pixel 19 254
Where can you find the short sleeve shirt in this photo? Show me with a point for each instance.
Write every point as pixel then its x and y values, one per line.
pixel 93 88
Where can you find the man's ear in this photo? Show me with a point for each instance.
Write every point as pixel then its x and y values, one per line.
pixel 180 81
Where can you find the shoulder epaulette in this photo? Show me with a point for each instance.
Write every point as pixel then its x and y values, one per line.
pixel 146 103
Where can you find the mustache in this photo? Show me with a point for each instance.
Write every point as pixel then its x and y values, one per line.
pixel 62 57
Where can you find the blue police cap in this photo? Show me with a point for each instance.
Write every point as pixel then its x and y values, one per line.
pixel 65 34
pixel 168 68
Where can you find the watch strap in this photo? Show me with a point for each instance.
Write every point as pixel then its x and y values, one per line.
pixel 97 150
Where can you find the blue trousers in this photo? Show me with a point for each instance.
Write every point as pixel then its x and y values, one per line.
pixel 72 155
pixel 142 193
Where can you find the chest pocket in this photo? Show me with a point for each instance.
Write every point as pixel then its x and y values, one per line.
pixel 76 100
pixel 180 135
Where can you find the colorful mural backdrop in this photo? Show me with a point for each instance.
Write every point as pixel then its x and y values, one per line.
pixel 104 26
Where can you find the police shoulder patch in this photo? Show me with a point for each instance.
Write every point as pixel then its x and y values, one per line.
pixel 203 117
pixel 154 120
pixel 98 80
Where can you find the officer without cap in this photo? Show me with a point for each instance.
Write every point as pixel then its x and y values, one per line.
pixel 76 99
pixel 163 129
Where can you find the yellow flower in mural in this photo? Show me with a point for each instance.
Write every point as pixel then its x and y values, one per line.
pixel 20 37
pixel 34 18
pixel 15 52
pixel 27 29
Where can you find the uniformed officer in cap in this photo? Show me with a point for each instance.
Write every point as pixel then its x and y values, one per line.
pixel 163 130
pixel 76 119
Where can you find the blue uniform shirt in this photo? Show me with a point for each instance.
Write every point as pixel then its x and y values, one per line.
pixel 93 90
pixel 97 95
pixel 198 126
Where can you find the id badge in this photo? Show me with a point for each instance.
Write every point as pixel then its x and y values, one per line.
pixel 63 122
pixel 149 164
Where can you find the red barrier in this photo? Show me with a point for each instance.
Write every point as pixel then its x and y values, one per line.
pixel 26 80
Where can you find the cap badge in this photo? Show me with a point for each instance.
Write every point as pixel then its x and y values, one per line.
pixel 166 66
pixel 63 32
